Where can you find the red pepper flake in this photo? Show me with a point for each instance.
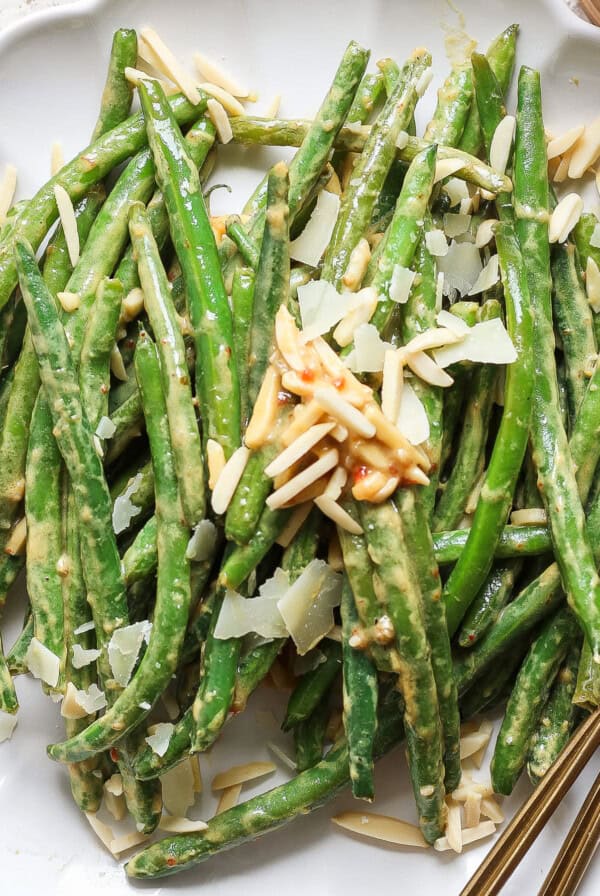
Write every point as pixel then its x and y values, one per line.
pixel 307 375
pixel 114 755
pixel 359 473
pixel 171 861
pixel 339 381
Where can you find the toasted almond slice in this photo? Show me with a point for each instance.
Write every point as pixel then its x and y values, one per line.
pixel 117 366
pixel 303 480
pixel 530 516
pixel 219 118
pixel 17 541
pixel 296 451
pixel 361 313
pixel 357 266
pixel 304 416
pixel 227 482
pixel 121 844
pixel 562 170
pixel 57 159
pixel 425 368
pixel 229 798
pixel 343 412
pixel 393 381
pixel 446 168
pixel 436 337
pixel 102 831
pixel 136 75
pixel 68 221
pixel 559 145
pixel 340 517
pixel 294 524
pixel 240 774
pixel 485 233
pixel 212 72
pixel 387 490
pixel 336 483
pixel 491 810
pixel 466 786
pixel 165 61
pixel 469 835
pixel 265 410
pixel 586 150
pixel 592 284
pixel 339 433
pixel 381 827
pixel 133 305
pixel 368 486
pixel 69 301
pixel 472 810
pixel 272 111
pixel 8 186
pixel 180 825
pixel 282 756
pixel 453 827
pixel 486 728
pixel 501 144
pixel 564 217
pixel 215 456
pixel 229 102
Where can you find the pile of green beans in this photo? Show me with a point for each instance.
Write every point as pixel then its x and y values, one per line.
pixel 117 405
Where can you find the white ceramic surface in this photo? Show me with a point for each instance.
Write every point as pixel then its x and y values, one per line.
pixel 51 72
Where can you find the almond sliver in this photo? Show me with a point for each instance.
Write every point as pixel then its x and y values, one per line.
pixel 265 410
pixel 303 480
pixel 294 524
pixel 240 774
pixel 212 72
pixel 337 513
pixel 502 143
pixel 423 366
pixel 586 150
pixel 559 145
pixel 8 185
pixel 446 168
pixel 180 825
pixel 343 412
pixel 165 61
pixel 301 446
pixel 469 835
pixel 564 217
pixel 491 810
pixel 381 827
pixel 227 482
pixel 229 798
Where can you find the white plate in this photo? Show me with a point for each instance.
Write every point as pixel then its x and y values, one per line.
pixel 51 72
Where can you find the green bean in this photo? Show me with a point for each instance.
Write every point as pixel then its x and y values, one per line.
pixel 309 736
pixel 98 343
pixel 242 302
pixel 244 243
pixel 245 558
pixel 452 108
pixel 558 719
pixel 491 686
pixel 582 234
pixel 551 453
pixel 505 463
pixel 485 609
pixel 313 685
pixel 128 419
pixel 183 428
pixel 526 702
pixel 118 92
pixel 15 658
pixel 588 681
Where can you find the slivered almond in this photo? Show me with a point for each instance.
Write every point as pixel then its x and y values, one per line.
pixel 335 558
pixel 265 410
pixel 491 810
pixel 592 284
pixel 562 169
pixel 393 381
pixel 368 486
pixel 117 365
pixel 469 835
pixel 586 150
pixel 121 844
pixel 388 433
pixel 472 810
pixel 227 482
pixel 485 233
pixel 239 774
pixel 303 480
pixel 436 337
pixel 287 337
pixel 282 756
pixel 564 217
pixel 530 516
pixel 213 72
pixel 229 798
pixel 196 772
pixel 343 412
pixel 446 168
pixel 336 483
pixel 357 266
pixel 69 301
pixel 559 145
pixel 416 475
pixel 465 787
pixel 219 118
pixel 501 144
pixel 361 313
pixel 8 186
pixel 68 221
pixel 101 830
pixel 381 827
pixel 133 305
pixel 180 825
pixel 17 541
pixel 337 513
pixel 294 524
pixel 57 159
pixel 423 366
pixel 136 75
pixel 229 102
pixel 487 728
pixel 296 451
pixel 216 461
pixel 165 61
pixel 387 490
pixel 304 416
pixel 339 433
pixel 453 828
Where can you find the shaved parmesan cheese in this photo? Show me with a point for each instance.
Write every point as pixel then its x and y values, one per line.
pixel 68 221
pixel 485 233
pixel 469 835
pixel 219 118
pixel 79 703
pixel 42 663
pixel 8 185
pixel 124 647
pixel 485 343
pixel 559 145
pixel 123 509
pixel 586 151
pixel 393 381
pixel 501 144
pixel 201 545
pixel 401 284
pixel 8 724
pixel 106 428
pixel 212 72
pixel 369 350
pixel 457 191
pixel 57 159
pixel 159 741
pixel 240 774
pixel 488 277
pixel 314 239
pixel 82 657
pixel 381 827
pixel 179 825
pixel 453 323
pixel 335 512
pixel 321 308
pixel 564 217
pixel 592 284
pixel 227 482
pixel 446 167
pixel 178 788
pixel 240 615
pixel 461 267
pixel 161 57
pixel 85 627
pixel 229 102
pixel 412 420
pixel 102 831
pixel 307 607
pixel 436 242
pixel 456 224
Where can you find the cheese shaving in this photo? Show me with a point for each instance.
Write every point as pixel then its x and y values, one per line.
pixel 42 663
pixel 114 784
pixel 159 741
pixel 360 312
pixel 457 191
pixel 180 825
pixel 307 607
pixel 210 71
pixel 79 703
pixel 453 322
pixel 595 237
pixel 84 627
pixel 161 57
pixel 124 648
pixel 456 224
pixel 219 118
pixel 106 428
pixel 485 233
pixel 369 350
pixel 201 545
pixel 68 221
pixel 412 420
pixel 436 242
pixel 486 343
pixel 321 308
pixel 489 276
pixel 461 267
pixel 240 774
pixel 446 167
pixel 82 657
pixel 8 723
pixel 228 480
pixel 240 616
pixel 57 159
pixel 564 217
pixel 124 510
pixel 393 381
pixel 8 186
pixel 314 239
pixel 401 284
pixel 501 144
pixel 178 789
pixel 381 827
